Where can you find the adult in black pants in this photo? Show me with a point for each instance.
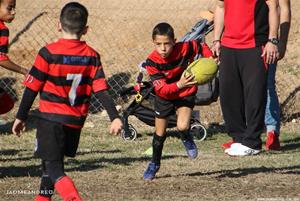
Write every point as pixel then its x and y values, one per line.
pixel 245 43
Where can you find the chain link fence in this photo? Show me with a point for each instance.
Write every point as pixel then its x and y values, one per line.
pixel 121 32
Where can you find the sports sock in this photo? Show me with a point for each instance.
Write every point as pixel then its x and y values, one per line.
pixel 157 146
pixel 46 188
pixel 42 198
pixel 67 190
pixel 185 135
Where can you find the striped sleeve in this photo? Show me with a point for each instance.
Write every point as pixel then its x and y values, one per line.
pixel 158 79
pixel 99 81
pixel 4 33
pixel 200 49
pixel 206 51
pixel 39 72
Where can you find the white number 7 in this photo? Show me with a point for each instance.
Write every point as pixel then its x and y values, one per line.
pixel 75 83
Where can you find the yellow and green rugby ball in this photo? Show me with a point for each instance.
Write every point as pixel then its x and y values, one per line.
pixel 204 69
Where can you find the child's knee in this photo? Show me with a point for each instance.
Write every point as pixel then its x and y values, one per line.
pixel 183 126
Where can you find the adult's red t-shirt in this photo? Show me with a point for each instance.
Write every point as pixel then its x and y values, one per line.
pixel 246 23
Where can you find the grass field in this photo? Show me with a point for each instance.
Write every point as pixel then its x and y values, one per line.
pixel 108 168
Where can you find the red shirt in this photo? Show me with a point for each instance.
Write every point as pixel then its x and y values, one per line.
pixel 66 73
pixel 246 23
pixel 165 72
pixel 4 34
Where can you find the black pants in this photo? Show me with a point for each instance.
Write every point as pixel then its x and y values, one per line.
pixel 243 93
pixel 55 140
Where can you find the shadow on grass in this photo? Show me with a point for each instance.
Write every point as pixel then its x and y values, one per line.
pixel 73 165
pixel 8 152
pixel 212 129
pixel 290 144
pixel 12 153
pixel 241 172
pixel 31 123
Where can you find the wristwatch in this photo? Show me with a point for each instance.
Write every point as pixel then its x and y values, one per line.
pixel 274 41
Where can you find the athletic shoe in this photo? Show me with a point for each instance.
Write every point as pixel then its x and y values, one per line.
pixel 272 142
pixel 241 150
pixel 190 146
pixel 227 145
pixel 232 146
pixel 151 170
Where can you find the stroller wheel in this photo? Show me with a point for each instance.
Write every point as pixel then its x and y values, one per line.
pixel 198 131
pixel 130 134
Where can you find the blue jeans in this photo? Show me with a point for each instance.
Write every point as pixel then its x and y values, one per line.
pixel 272 114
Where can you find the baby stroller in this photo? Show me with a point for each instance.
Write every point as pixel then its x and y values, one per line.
pixel 142 106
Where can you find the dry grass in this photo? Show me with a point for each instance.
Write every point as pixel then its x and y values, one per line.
pixel 107 168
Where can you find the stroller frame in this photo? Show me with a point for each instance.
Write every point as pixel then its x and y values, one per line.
pixel 147 115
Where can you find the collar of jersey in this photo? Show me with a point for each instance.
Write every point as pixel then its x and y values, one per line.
pixel 70 40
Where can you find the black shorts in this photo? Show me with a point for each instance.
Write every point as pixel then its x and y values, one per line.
pixel 54 140
pixel 165 108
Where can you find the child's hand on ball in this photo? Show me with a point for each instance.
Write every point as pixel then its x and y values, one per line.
pixel 186 80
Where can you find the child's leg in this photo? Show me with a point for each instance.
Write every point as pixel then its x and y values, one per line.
pixel 62 183
pixel 163 109
pixel 184 118
pixel 159 138
pixel 55 140
pixel 46 187
pixel 183 125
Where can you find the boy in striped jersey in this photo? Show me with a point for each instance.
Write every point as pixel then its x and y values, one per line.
pixel 174 91
pixel 65 73
pixel 7 15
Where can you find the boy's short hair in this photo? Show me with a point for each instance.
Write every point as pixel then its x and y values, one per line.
pixel 73 17
pixel 163 29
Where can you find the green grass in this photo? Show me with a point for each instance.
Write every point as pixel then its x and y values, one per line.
pixel 108 168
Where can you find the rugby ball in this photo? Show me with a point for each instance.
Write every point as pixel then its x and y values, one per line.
pixel 6 102
pixel 204 69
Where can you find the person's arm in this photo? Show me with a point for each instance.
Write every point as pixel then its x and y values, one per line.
pixel 22 114
pixel 271 50
pixel 218 27
pixel 162 87
pixel 100 87
pixel 9 65
pixel 34 82
pixel 5 62
pixel 109 105
pixel 285 23
pixel 26 103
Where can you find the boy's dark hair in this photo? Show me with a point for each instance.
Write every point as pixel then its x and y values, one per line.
pixel 163 29
pixel 73 17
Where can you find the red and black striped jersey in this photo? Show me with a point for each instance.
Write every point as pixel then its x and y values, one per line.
pixel 165 72
pixel 4 34
pixel 66 73
pixel 246 23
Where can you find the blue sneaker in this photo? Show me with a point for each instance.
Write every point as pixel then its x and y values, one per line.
pixel 190 146
pixel 150 172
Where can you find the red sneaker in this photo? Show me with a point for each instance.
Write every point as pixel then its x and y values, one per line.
pixel 272 142
pixel 227 145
